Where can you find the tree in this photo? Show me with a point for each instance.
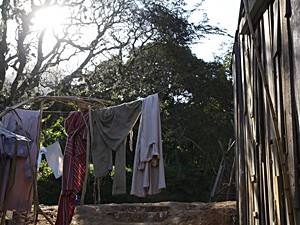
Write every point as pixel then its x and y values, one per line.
pixel 196 108
pixel 25 56
pixel 121 50
pixel 196 102
pixel 91 33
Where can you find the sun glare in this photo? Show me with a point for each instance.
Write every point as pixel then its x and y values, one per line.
pixel 50 17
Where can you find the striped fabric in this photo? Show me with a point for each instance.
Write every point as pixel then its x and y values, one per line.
pixel 74 165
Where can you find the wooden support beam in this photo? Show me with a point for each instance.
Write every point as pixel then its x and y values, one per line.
pixel 88 149
pixel 286 180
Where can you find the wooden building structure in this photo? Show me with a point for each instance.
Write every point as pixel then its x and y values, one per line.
pixel 266 71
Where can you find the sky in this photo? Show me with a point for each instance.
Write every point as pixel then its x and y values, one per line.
pixel 222 13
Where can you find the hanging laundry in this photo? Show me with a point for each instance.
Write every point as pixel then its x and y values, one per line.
pixel 74 165
pixel 41 152
pixel 54 159
pixel 148 170
pixel 18 160
pixel 9 134
pixel 110 129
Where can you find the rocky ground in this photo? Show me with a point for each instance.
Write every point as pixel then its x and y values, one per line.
pixel 163 213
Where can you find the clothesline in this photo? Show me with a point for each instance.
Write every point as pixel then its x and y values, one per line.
pixel 57 112
pixel 79 102
pixel 38 102
pixel 99 105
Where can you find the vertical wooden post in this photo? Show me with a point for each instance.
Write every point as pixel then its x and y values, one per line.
pixel 233 167
pixel 240 159
pixel 88 148
pixel 35 190
pixel 295 31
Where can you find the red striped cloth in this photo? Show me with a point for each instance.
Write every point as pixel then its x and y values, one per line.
pixel 74 165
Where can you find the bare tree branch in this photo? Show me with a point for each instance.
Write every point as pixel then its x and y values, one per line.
pixel 91 32
pixel 3 42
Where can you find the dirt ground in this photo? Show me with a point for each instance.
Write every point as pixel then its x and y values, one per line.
pixel 163 213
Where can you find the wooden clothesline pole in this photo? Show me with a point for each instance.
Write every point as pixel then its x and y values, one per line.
pixel 45 215
pixel 35 192
pixel 81 102
pixel 88 148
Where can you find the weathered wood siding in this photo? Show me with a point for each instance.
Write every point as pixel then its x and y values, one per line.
pixel 267 109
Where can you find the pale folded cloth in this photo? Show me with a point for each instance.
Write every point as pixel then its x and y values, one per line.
pixel 148 170
pixel 55 159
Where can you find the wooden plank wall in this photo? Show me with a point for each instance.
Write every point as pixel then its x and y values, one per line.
pixel 263 196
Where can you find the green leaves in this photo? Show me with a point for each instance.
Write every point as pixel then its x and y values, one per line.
pixel 53 130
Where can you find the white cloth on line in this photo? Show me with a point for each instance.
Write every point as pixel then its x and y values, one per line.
pixel 148 170
pixel 55 159
pixel 41 152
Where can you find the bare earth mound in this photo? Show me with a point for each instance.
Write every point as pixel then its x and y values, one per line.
pixel 163 213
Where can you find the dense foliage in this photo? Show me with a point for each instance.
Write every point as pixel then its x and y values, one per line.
pixel 196 113
pixel 133 49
